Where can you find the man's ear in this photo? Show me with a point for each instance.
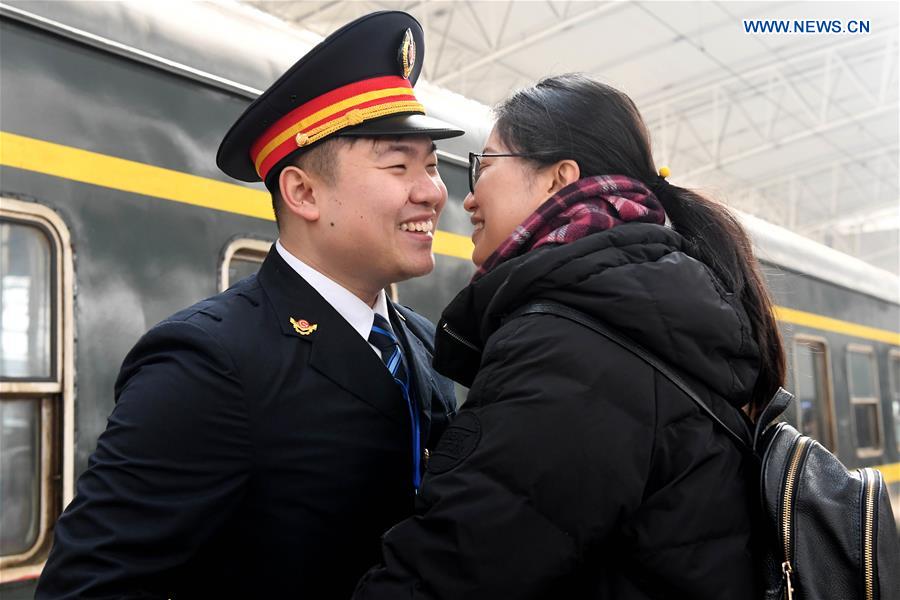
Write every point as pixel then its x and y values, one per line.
pixel 564 172
pixel 298 193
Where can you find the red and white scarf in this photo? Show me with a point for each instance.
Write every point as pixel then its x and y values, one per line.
pixel 581 208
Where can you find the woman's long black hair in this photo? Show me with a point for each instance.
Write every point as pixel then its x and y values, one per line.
pixel 600 128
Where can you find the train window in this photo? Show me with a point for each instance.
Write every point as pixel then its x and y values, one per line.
pixel 243 266
pixel 894 366
pixel 241 259
pixel 863 382
pixel 36 382
pixel 25 335
pixel 811 384
pixel 20 482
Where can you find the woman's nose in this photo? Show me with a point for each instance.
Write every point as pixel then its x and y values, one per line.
pixel 469 202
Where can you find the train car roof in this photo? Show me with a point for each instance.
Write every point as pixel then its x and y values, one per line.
pixel 788 250
pixel 243 50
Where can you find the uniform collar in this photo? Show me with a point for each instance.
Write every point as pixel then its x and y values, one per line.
pixel 336 350
pixel 357 313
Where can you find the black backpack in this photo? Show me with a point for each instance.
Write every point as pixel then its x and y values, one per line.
pixel 826 532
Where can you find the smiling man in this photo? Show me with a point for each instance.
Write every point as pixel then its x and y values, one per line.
pixel 380 196
pixel 265 438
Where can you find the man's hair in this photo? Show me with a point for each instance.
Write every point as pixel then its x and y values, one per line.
pixel 320 160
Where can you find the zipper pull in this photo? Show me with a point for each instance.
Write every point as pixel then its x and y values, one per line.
pixel 446 328
pixel 788 585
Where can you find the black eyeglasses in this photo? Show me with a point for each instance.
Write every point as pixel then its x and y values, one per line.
pixel 475 164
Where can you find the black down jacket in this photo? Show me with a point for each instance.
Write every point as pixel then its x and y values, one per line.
pixel 575 470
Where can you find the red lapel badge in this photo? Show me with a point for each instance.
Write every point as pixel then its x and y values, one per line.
pixel 303 327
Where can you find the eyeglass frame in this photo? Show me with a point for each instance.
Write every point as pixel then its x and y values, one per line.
pixel 474 160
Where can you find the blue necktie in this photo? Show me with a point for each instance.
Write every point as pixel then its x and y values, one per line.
pixel 383 338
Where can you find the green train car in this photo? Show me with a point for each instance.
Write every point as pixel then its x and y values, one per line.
pixel 113 215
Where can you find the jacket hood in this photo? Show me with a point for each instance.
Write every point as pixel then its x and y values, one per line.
pixel 634 277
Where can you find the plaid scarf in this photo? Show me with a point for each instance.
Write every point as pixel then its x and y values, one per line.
pixel 581 208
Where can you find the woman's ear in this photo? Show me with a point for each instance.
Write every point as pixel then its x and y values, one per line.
pixel 564 172
pixel 298 193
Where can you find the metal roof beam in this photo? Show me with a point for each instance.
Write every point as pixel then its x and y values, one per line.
pixel 874 221
pixel 280 8
pixel 866 215
pixel 478 23
pixel 722 98
pixel 778 63
pixel 824 167
pixel 871 257
pixel 887 69
pixel 436 63
pixel 817 130
pixel 774 93
pixel 551 5
pixel 854 77
pixel 528 40
pixel 503 25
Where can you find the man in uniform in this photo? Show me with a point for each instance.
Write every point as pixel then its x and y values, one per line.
pixel 265 438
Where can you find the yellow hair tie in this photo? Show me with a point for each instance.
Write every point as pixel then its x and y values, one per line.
pixel 664 172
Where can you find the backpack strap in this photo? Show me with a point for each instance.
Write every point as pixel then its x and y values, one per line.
pixel 566 312
pixel 777 405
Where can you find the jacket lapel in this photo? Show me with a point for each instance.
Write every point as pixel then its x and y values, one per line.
pixel 419 361
pixel 338 352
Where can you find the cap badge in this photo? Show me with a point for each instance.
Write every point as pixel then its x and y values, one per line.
pixel 303 327
pixel 407 54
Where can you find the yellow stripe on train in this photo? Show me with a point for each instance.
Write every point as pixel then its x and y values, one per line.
pixel 891 472
pixel 807 319
pixel 129 176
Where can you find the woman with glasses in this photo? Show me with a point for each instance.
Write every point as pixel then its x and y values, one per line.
pixel 576 470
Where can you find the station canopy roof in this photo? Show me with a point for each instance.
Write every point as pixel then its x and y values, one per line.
pixel 799 129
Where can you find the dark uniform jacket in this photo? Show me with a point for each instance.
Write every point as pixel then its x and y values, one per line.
pixel 575 470
pixel 244 459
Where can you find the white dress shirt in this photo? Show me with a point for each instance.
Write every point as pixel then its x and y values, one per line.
pixel 357 313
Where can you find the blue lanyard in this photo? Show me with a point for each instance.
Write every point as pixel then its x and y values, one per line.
pixel 416 428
